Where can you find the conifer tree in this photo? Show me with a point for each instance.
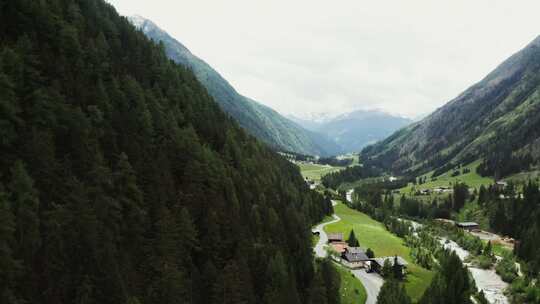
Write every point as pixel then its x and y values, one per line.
pixel 393 292
pixel 352 241
pixel 10 266
pixel 26 207
pixel 370 254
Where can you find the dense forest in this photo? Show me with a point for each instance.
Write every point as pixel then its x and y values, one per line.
pixel 121 181
pixel 348 175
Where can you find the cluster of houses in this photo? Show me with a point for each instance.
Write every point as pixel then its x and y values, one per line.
pixel 438 190
pixel 356 257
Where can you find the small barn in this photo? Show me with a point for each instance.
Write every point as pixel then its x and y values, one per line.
pixel 469 226
pixel 335 237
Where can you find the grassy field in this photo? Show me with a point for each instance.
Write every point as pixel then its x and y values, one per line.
pixel 315 171
pixel 472 179
pixel 373 234
pixel 352 291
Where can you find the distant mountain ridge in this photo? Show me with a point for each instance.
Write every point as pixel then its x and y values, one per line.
pixel 355 130
pixel 498 119
pixel 259 120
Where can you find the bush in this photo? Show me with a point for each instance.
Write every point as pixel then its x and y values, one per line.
pixel 506 268
pixel 483 262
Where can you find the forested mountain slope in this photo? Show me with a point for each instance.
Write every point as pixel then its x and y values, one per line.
pixel 122 181
pixel 261 121
pixel 497 119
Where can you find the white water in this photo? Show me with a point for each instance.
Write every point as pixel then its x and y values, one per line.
pixel 486 279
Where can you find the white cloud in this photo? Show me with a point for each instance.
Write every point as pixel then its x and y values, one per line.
pixel 406 57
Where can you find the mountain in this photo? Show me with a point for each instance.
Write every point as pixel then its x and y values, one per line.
pixel 355 130
pixel 497 120
pixel 123 181
pixel 261 121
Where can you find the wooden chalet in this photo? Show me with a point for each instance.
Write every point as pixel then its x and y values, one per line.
pixel 354 257
pixel 335 237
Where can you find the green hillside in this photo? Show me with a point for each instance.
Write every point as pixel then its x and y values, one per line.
pixel 497 119
pixel 467 174
pixel 261 121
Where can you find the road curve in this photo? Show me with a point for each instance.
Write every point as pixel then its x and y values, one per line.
pixel 320 248
pixel 372 282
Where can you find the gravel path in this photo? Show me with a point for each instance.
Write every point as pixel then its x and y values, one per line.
pixel 319 249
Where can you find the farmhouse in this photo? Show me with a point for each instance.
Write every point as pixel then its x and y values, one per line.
pixel 354 257
pixel 335 237
pixel 376 264
pixel 469 226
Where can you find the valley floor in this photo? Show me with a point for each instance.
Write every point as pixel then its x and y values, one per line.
pixel 315 171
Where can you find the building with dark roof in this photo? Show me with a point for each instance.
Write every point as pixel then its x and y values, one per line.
pixel 469 226
pixel 376 264
pixel 354 257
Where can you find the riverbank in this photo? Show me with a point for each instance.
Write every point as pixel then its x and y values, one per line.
pixel 486 280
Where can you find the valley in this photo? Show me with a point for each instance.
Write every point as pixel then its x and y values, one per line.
pixel 491 281
pixel 132 171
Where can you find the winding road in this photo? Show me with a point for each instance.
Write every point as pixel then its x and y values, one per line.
pixel 372 282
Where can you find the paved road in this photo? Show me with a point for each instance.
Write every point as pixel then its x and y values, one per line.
pixel 372 283
pixel 319 249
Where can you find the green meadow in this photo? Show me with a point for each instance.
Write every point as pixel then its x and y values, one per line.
pixel 374 235
pixel 315 171
pixel 352 291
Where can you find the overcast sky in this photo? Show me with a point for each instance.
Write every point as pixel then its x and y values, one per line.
pixel 301 57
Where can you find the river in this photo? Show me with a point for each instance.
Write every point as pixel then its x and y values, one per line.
pixel 486 280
